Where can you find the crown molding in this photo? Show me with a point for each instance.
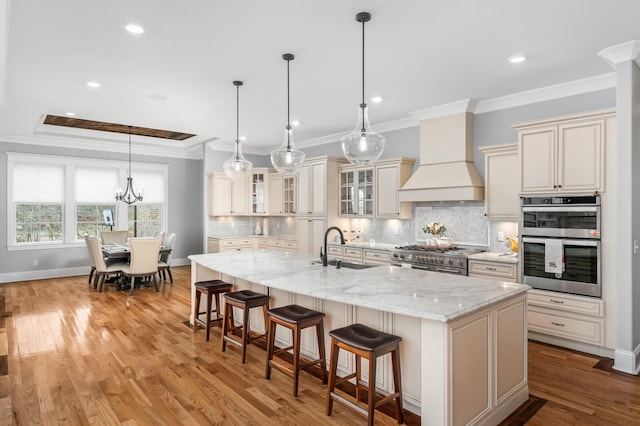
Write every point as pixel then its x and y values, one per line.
pixel 464 105
pixel 623 52
pixel 576 87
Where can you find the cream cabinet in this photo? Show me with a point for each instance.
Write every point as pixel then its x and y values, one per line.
pixel 356 191
pixel 501 182
pixel 566 316
pixel 390 176
pixel 312 184
pixel 284 244
pixel 310 234
pixel 227 197
pixel 493 270
pixel 259 192
pixel 282 195
pixel 223 245
pixel 376 257
pixel 565 154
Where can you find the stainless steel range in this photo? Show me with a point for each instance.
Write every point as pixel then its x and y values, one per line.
pixel 449 260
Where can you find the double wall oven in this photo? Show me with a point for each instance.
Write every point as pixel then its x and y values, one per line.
pixel 560 244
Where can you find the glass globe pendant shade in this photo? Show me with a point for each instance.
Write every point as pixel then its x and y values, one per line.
pixel 363 145
pixel 287 160
pixel 237 167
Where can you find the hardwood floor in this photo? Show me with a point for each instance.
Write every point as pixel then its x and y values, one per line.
pixel 71 355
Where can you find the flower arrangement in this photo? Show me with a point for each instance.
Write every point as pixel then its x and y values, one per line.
pixel 434 228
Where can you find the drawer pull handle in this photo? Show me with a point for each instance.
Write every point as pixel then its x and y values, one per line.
pixel 557 323
pixel 556 301
pixel 491 269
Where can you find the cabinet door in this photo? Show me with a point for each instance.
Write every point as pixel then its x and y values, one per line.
pixel 240 197
pixel 310 235
pixel 318 192
pixel 581 156
pixel 275 194
pixel 502 183
pixel 387 191
pixel 289 194
pixel 347 193
pixel 538 159
pixel 318 227
pixel 220 195
pixel 258 193
pixel 304 186
pixel 365 192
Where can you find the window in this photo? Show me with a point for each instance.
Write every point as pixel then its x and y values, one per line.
pixel 145 220
pixel 38 201
pixel 54 201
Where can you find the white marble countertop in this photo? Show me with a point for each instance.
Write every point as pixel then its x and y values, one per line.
pixel 235 237
pixel 366 244
pixel 495 257
pixel 422 294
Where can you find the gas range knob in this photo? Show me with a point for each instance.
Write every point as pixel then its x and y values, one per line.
pixel 450 262
pixel 461 262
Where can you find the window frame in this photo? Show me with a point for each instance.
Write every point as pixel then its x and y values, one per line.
pixel 69 205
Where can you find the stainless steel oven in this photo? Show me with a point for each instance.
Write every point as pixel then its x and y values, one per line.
pixel 560 244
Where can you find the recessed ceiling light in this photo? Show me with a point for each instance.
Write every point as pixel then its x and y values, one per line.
pixel 516 59
pixel 70 114
pixel 295 123
pixel 93 84
pixel 134 28
pixel 376 99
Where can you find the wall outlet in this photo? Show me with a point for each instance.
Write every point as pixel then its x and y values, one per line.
pixel 500 236
pixel 35 262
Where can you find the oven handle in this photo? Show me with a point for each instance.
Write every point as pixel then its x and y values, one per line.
pixel 560 209
pixel 449 271
pixel 565 242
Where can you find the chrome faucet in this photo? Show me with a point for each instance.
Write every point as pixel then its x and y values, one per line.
pixel 323 256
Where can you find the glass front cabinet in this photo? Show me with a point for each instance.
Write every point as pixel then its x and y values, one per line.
pixel 258 190
pixel 357 192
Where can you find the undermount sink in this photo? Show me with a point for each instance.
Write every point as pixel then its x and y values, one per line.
pixel 347 265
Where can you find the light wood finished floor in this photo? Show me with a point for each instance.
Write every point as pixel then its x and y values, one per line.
pixel 70 355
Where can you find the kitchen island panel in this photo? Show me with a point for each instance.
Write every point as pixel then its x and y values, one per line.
pixel 459 333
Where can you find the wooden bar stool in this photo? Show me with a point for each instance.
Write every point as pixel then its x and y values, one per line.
pixel 212 289
pixel 364 342
pixel 295 318
pixel 245 300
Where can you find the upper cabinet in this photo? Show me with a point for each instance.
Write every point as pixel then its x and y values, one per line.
pixel 565 154
pixel 372 191
pixel 501 182
pixel 282 190
pixel 317 183
pixel 227 197
pixel 390 176
pixel 356 191
pixel 258 192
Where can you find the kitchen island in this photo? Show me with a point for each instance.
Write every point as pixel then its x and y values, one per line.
pixel 464 345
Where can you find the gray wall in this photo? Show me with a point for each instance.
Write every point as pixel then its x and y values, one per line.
pixel 185 210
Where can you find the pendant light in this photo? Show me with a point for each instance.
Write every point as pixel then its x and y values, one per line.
pixel 237 167
pixel 129 195
pixel 363 145
pixel 287 160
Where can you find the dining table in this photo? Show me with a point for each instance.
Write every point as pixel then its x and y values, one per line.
pixel 122 252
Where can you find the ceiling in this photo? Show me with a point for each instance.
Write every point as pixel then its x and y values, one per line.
pixel 177 76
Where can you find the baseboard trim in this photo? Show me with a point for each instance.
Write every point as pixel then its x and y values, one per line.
pixel 43 274
pixel 627 361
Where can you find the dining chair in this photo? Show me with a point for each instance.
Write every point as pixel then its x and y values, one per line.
pixel 145 253
pixel 91 258
pixel 164 264
pixel 103 270
pixel 114 237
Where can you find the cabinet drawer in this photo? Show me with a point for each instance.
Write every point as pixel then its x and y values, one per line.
pixel 353 252
pixel 566 302
pixel 492 269
pixel 376 256
pixel 289 245
pixel 582 329
pixel 245 242
pixel 263 242
pixel 229 243
pixel 335 251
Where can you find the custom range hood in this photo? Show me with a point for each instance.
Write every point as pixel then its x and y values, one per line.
pixel 446 171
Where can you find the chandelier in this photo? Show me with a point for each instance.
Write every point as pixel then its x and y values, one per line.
pixel 363 145
pixel 237 167
pixel 129 195
pixel 287 160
